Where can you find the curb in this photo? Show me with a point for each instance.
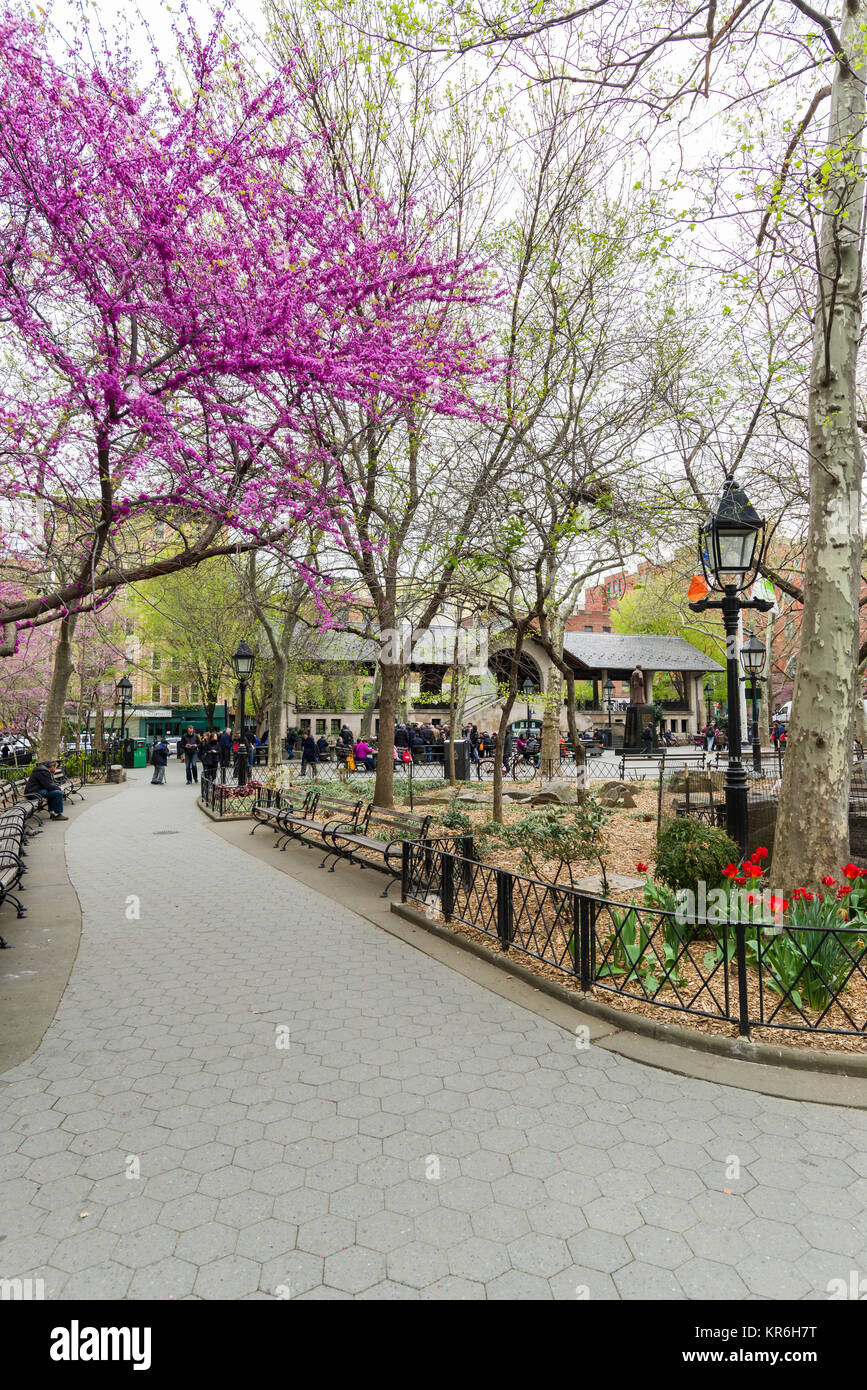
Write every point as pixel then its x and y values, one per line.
pixel 733 1049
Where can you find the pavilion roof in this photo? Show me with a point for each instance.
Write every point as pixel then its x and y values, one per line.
pixel 618 652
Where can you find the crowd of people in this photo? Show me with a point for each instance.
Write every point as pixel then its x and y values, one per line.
pixel 217 753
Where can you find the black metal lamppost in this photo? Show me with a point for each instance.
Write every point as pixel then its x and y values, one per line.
pixel 124 690
pixel 242 664
pixel 731 545
pixel 608 692
pixel 753 661
pixel 528 690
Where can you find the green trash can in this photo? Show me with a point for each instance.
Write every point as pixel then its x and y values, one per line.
pixel 139 752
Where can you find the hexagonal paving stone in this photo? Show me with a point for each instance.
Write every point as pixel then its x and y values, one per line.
pixel 266 1240
pixel 183 1213
pixel 355 1269
pixel 602 1250
pixel 231 1277
pixel 417 1264
pixel 204 1244
pixel 326 1235
pixel 478 1259
pixel 706 1279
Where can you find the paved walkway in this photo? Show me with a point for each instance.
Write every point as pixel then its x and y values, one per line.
pixel 250 1091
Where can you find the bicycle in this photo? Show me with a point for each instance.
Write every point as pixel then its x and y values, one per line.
pixel 521 768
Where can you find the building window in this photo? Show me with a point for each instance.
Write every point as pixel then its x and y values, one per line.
pixel 320 726
pixel 195 695
pixel 156 661
pixel 606 629
pixel 175 695
pixel 588 627
pixel 160 531
pixel 336 726
pixel 155 694
pixel 305 724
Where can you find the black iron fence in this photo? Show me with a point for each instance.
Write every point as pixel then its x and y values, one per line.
pixel 749 974
pixel 228 799
pixel 84 766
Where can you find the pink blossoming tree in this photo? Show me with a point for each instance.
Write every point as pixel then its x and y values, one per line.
pixel 182 281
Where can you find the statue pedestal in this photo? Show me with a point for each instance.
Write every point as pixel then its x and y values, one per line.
pixel 637 719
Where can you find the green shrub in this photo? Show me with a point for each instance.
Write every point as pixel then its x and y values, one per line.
pixel 453 819
pixel 688 852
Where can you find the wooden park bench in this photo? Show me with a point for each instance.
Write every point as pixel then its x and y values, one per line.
pixel 381 832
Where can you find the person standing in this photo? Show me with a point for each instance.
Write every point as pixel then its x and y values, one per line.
pixel 210 757
pixel 508 748
pixel 191 744
pixel 159 761
pixel 225 746
pixel 474 743
pixel 309 754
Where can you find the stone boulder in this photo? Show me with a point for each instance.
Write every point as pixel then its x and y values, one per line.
pixel 617 795
pixel 555 793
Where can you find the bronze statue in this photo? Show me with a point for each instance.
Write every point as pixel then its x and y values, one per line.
pixel 636 687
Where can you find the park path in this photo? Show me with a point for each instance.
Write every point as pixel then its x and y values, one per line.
pixel 418 1137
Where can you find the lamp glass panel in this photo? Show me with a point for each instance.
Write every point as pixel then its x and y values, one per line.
pixel 735 550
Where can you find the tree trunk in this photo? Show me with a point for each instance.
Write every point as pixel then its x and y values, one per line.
pixel 384 790
pixel 49 739
pixel 276 712
pixel 550 751
pixel 570 711
pixel 812 835
pixel 370 707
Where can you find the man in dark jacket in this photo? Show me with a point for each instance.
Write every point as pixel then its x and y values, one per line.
pixel 42 783
pixel 225 742
pixel 192 743
pixel 309 754
pixel 159 761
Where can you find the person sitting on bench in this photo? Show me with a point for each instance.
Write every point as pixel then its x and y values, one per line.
pixel 41 783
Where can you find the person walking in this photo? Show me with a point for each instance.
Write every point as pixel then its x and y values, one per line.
pixel 309 755
pixel 290 743
pixel 159 762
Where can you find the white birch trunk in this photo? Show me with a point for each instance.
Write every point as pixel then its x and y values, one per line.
pixel 812 835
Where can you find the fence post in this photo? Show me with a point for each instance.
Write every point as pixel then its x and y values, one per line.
pixel 505 908
pixel 743 1001
pixel 447 888
pixel 586 951
pixel 468 854
pixel 577 943
pixel 404 870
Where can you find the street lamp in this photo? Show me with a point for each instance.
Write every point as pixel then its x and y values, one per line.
pixel 731 546
pixel 753 661
pixel 608 692
pixel 528 690
pixel 242 663
pixel 124 690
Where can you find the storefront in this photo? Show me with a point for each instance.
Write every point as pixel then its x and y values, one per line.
pixel 172 721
